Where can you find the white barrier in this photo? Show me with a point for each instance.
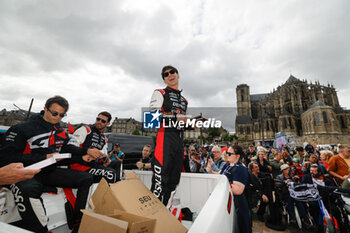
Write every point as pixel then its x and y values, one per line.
pixel 206 194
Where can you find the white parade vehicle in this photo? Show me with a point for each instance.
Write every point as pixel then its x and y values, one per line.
pixel 208 196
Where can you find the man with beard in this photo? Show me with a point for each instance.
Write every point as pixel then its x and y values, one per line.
pixel 93 137
pixel 316 176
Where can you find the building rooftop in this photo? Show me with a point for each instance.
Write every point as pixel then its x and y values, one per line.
pixel 243 120
pixel 257 97
pixel 292 79
pixel 318 103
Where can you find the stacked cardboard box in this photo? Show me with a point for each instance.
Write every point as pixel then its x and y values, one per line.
pixel 132 202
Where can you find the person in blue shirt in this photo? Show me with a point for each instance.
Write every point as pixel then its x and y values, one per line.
pixel 117 154
pixel 237 176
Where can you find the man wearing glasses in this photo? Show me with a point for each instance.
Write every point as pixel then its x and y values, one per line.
pixel 217 163
pixel 169 150
pixel 36 140
pixel 93 137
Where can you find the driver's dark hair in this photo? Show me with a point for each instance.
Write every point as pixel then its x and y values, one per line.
pixel 106 114
pixel 168 67
pixel 57 100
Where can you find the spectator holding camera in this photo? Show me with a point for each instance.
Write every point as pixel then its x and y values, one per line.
pixel 286 157
pixel 195 162
pixel 264 165
pixel 312 160
pixel 217 163
pixel 204 159
pixel 117 154
pixel 301 154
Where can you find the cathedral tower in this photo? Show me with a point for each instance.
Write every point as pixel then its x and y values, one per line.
pixel 243 100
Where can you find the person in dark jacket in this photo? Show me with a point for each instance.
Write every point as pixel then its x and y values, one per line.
pixel 38 139
pixel 284 193
pixel 264 165
pixel 317 177
pixel 258 191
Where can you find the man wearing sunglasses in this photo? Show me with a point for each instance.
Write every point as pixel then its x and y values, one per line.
pixel 93 137
pixel 35 140
pixel 169 150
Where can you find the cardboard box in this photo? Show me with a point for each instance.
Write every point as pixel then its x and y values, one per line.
pixel 118 222
pixel 133 197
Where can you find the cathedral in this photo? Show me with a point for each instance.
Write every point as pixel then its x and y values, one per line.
pixel 302 111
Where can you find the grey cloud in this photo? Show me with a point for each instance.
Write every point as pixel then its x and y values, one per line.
pixel 218 47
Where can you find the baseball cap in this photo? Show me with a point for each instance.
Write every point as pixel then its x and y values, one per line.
pixel 284 166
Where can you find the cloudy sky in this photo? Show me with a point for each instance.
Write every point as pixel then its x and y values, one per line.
pixel 107 55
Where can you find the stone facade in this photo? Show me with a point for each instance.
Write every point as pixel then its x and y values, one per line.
pixel 129 125
pixel 125 125
pixel 303 111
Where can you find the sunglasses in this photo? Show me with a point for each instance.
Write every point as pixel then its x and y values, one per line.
pixel 229 153
pixel 99 119
pixel 166 74
pixel 56 113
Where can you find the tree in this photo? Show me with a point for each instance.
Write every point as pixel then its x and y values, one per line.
pixel 186 141
pixel 136 132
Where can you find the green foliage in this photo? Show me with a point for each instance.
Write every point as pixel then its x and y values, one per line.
pixel 136 132
pixel 186 141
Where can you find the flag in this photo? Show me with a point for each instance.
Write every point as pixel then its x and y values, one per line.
pixel 303 192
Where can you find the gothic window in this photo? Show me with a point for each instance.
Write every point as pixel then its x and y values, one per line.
pixel 287 96
pixel 325 119
pixel 290 123
pixel 284 123
pixel 317 118
pixel 267 126
pixel 342 122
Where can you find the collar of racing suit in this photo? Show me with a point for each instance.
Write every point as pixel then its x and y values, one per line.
pixel 179 91
pixel 39 117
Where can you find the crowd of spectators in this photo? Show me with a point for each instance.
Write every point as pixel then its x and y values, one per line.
pixel 268 166
pixel 256 174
